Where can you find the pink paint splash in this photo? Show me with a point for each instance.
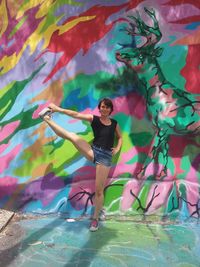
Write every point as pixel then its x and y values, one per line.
pixel 3 147
pixel 125 104
pixel 40 108
pixel 7 159
pixel 162 194
pixel 127 199
pixel 133 104
pixel 8 129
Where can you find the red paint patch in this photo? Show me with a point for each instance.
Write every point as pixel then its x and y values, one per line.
pixel 84 34
pixel 191 71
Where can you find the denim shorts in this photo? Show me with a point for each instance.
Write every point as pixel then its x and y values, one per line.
pixel 102 156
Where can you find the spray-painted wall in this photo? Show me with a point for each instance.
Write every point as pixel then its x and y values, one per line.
pixel 65 52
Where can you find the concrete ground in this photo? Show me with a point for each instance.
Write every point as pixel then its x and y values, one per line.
pixel 5 217
pixel 32 241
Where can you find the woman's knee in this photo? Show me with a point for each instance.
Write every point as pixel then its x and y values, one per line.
pixel 99 192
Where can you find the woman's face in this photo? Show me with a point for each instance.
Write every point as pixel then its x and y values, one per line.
pixel 104 110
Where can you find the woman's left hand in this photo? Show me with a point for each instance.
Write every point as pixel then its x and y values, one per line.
pixel 114 151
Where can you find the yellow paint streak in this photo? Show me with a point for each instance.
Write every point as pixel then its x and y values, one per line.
pixel 10 62
pixel 4 108
pixel 44 9
pixel 73 23
pixel 3 17
pixel 44 6
pixel 38 35
pixel 6 88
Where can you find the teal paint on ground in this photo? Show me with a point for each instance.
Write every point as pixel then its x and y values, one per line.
pixel 53 241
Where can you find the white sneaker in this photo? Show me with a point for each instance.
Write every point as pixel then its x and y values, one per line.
pixel 44 112
pixel 94 225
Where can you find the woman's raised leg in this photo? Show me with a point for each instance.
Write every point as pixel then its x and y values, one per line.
pixel 81 145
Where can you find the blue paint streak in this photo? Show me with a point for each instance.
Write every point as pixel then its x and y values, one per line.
pixel 193 26
pixel 73 100
pixel 76 164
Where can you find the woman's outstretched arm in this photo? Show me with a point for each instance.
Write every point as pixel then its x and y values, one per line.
pixel 71 113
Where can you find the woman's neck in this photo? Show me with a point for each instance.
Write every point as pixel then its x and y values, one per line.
pixel 104 118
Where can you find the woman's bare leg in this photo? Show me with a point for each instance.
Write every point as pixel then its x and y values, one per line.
pixel 77 141
pixel 101 176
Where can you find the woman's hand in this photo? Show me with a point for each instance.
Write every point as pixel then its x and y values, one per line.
pixel 53 107
pixel 115 150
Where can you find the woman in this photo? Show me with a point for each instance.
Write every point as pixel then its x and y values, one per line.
pixel 105 129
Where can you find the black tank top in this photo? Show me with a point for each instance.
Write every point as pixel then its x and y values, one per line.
pixel 103 134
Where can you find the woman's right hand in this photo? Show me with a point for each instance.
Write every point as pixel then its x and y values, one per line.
pixel 53 107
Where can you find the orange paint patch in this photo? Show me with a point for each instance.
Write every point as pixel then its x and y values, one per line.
pixel 191 39
pixel 54 93
pixel 41 170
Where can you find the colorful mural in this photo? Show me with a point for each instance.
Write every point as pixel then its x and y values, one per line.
pixel 72 53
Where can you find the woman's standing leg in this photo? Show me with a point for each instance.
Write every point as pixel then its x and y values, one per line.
pixel 81 145
pixel 102 172
pixel 101 176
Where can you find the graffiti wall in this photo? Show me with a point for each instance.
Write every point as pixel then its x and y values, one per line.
pixel 144 55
